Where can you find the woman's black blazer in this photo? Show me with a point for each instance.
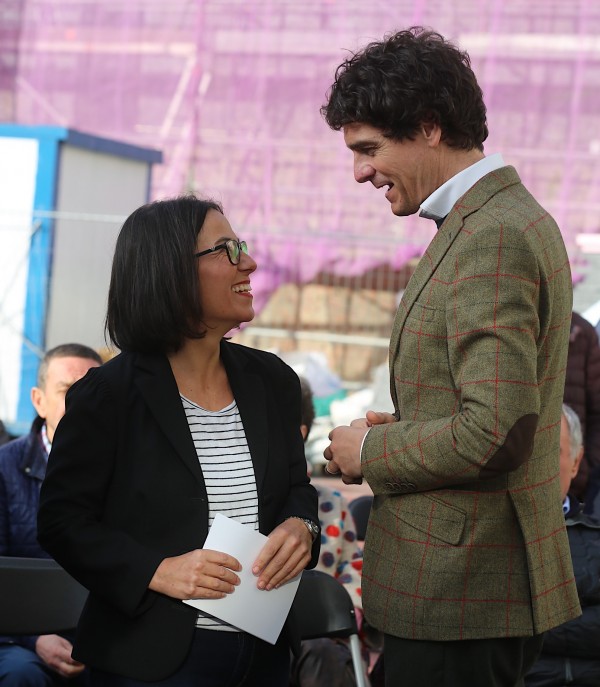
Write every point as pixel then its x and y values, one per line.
pixel 124 489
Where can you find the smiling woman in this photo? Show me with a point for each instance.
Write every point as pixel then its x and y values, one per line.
pixel 181 425
pixel 224 264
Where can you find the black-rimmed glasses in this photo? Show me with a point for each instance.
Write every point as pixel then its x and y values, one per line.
pixel 233 247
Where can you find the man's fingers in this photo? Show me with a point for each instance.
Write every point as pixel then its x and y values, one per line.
pixel 331 468
pixel 375 417
pixel 361 422
pixel 69 668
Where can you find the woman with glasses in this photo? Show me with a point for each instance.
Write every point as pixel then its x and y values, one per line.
pixel 181 425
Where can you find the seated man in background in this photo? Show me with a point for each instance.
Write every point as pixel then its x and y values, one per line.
pixel 45 660
pixel 582 394
pixel 4 435
pixel 328 662
pixel 571 652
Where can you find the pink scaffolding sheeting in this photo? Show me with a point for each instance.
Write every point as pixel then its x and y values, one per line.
pixel 230 91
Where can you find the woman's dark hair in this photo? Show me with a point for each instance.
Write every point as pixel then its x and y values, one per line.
pixel 412 77
pixel 307 406
pixel 154 293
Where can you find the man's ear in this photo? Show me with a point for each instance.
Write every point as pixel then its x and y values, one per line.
pixel 432 133
pixel 304 431
pixel 577 463
pixel 38 399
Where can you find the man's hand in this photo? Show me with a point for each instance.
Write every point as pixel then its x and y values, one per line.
pixel 285 554
pixel 379 417
pixel 373 417
pixel 343 453
pixel 198 574
pixel 55 651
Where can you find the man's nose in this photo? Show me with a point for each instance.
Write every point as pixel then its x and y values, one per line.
pixel 363 170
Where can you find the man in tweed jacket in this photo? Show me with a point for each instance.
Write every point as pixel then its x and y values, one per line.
pixel 466 559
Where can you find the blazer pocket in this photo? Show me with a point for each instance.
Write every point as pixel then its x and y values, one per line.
pixel 432 517
pixel 421 312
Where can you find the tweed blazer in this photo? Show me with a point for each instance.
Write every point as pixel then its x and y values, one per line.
pixel 124 489
pixel 466 538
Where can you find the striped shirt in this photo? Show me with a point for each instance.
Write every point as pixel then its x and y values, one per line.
pixel 228 471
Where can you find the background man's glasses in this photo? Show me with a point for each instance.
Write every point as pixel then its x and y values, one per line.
pixel 234 250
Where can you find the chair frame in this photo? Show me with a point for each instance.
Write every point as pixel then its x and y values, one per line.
pixel 38 597
pixel 360 509
pixel 323 608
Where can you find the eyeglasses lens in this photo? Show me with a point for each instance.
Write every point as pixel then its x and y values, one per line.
pixel 234 248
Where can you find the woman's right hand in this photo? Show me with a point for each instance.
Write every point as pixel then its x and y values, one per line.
pixel 199 574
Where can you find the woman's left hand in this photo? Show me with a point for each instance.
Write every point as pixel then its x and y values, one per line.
pixel 285 554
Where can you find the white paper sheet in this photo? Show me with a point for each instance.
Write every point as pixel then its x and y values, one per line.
pixel 256 611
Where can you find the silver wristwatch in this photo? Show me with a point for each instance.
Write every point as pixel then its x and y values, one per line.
pixel 311 526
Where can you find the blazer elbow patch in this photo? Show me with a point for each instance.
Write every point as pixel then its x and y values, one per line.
pixel 516 449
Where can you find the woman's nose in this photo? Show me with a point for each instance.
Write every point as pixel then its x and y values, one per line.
pixel 247 263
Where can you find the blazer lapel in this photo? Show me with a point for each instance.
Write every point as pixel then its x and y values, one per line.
pixel 432 257
pixel 249 392
pixel 470 202
pixel 159 390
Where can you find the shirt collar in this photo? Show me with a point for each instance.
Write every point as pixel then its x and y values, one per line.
pixel 45 441
pixel 442 200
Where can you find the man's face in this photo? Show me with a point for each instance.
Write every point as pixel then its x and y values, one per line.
pixel 568 465
pixel 410 171
pixel 62 373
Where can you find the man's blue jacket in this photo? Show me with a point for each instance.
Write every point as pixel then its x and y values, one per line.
pixel 22 469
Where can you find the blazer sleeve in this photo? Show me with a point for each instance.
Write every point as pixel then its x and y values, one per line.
pixel 489 319
pixel 72 522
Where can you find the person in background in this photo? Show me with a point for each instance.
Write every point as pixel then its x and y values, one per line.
pixel 466 557
pixel 570 654
pixel 328 662
pixel 582 394
pixel 4 435
pixel 37 660
pixel 180 425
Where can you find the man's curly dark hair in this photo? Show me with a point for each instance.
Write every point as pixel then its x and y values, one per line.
pixel 412 77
